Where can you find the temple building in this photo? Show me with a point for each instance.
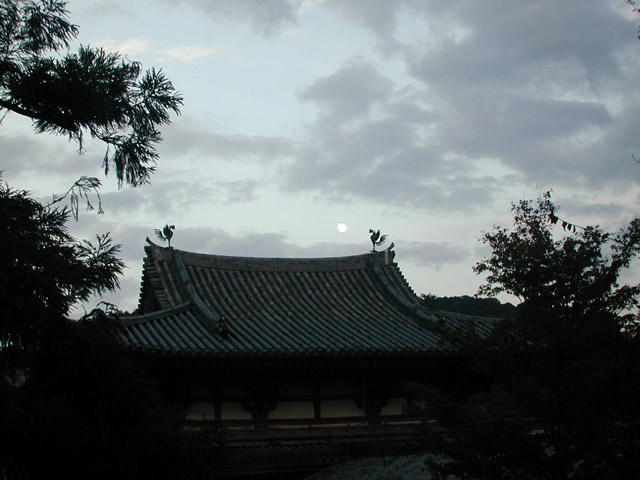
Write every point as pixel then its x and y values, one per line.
pixel 301 360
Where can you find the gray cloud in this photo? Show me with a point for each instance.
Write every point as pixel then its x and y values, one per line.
pixel 540 138
pixel 415 176
pixel 45 155
pixel 389 157
pixel 258 244
pixel 536 87
pixel 185 137
pixel 337 153
pixel 432 254
pixel 350 91
pixel 125 202
pixel 408 111
pixel 265 17
pixel 525 85
pixel 172 198
pixel 107 8
pixel 238 191
pixel 594 212
pixel 519 44
pixel 380 17
pixel 20 154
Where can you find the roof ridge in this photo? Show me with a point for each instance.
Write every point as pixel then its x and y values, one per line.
pixel 243 262
pixel 429 321
pixel 211 321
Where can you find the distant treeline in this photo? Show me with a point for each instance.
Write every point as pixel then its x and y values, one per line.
pixel 484 307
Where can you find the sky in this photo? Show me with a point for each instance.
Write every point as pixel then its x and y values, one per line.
pixel 423 119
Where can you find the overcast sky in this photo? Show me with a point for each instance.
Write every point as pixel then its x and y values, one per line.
pixel 423 119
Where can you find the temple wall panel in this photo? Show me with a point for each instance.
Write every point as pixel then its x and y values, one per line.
pixel 340 408
pixel 201 411
pixel 234 411
pixel 395 406
pixel 290 409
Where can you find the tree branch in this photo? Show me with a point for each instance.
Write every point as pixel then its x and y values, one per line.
pixel 31 114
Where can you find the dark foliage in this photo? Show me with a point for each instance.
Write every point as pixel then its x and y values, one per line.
pixel 87 412
pixel 564 400
pixel 43 270
pixel 573 276
pixel 72 405
pixel 483 307
pixel 90 91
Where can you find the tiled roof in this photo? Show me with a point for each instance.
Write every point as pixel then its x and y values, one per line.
pixel 271 460
pixel 405 467
pixel 239 307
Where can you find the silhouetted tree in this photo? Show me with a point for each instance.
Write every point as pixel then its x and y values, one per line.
pixel 43 270
pixel 71 402
pixel 89 92
pixel 483 307
pixel 564 402
pixel 86 411
pixel 70 399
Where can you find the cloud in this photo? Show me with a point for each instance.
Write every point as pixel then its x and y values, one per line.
pixel 595 212
pixel 21 154
pixel 525 85
pixel 374 142
pixel 350 91
pixel 52 160
pixel 106 8
pixel 382 162
pixel 186 137
pixel 129 46
pixel 188 54
pixel 380 17
pixel 128 201
pixel 171 199
pixel 265 17
pixel 519 85
pixel 238 191
pixel 432 254
pixel 137 46
pixel 256 244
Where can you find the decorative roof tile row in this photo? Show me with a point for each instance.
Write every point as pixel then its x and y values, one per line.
pixel 219 307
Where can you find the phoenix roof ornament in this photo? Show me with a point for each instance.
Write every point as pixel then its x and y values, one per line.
pixel 165 234
pixel 376 239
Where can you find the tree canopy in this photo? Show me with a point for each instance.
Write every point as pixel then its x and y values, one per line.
pixel 89 92
pixel 43 269
pixel 70 400
pixel 576 275
pixel 484 307
pixel 563 402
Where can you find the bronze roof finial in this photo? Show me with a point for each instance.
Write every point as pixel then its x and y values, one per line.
pixel 376 239
pixel 166 234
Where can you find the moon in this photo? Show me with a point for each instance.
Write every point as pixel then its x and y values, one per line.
pixel 342 227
